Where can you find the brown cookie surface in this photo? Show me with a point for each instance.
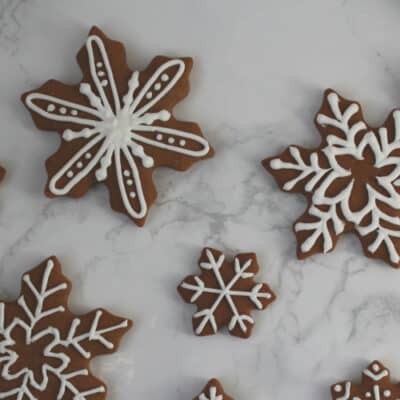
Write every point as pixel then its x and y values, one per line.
pixel 351 181
pixel 45 350
pixel 375 385
pixel 213 391
pixel 117 126
pixel 225 293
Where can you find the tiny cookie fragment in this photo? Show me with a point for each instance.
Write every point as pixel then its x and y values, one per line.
pixel 213 391
pixel 351 182
pixel 45 350
pixel 116 126
pixel 375 385
pixel 225 293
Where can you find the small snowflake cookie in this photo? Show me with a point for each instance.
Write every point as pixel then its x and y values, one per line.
pixel 351 181
pixel 225 293
pixel 375 385
pixel 117 126
pixel 45 350
pixel 213 391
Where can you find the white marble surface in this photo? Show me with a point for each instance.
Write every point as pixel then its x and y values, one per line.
pixel 260 69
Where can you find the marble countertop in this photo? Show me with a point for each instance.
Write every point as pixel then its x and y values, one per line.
pixel 260 71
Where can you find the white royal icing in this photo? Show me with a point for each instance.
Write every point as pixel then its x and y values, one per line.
pixel 116 131
pixel 375 372
pixel 211 395
pixel 225 292
pixel 34 313
pixel 374 392
pixel 346 395
pixel 321 178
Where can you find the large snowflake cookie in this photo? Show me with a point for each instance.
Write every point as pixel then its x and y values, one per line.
pixel 375 385
pixel 45 350
pixel 351 181
pixel 117 126
pixel 213 391
pixel 225 293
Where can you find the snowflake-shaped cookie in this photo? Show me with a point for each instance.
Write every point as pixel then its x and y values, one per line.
pixel 117 126
pixel 45 350
pixel 352 182
pixel 375 385
pixel 225 293
pixel 213 391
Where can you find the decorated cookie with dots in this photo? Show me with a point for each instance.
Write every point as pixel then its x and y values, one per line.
pixel 45 350
pixel 375 385
pixel 225 293
pixel 213 391
pixel 116 126
pixel 351 181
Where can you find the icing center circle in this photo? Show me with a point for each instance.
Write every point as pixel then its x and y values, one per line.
pixel 118 128
pixel 31 355
pixel 364 171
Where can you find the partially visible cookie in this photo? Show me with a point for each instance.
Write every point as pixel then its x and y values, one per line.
pixel 2 173
pixel 213 391
pixel 225 293
pixel 117 126
pixel 351 181
pixel 375 385
pixel 45 350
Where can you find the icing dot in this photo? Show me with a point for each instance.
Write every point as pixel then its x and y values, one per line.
pixel 356 398
pixel 148 162
pixel 182 142
pixel 70 174
pixel 129 182
pixel 149 95
pixel 132 195
pixel 63 110
pixel 51 107
pixel 104 82
pixel 367 394
pixel 127 173
pixel 88 156
pixel 375 367
pixel 99 64
pixel 159 136
pixel 337 388
pixel 101 73
pixel 387 393
pixel 164 77
pixel 79 164
pixel 74 112
pixel 157 86
pixel 171 140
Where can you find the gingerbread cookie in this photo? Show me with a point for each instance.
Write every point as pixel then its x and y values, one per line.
pixel 2 173
pixel 116 126
pixel 213 391
pixel 375 385
pixel 351 181
pixel 45 350
pixel 225 293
